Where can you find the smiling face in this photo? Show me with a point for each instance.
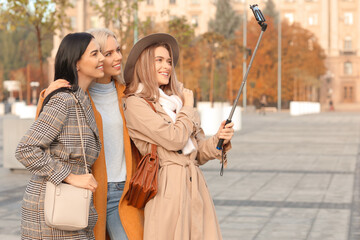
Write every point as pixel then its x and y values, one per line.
pixel 113 58
pixel 163 65
pixel 90 65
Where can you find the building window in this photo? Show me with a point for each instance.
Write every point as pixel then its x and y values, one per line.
pixel 94 22
pixel 195 1
pixel 289 17
pixel 348 18
pixel 348 68
pixel 195 20
pixel 313 19
pixel 347 44
pixel 348 93
pixel 150 2
pixel 73 23
pixel 172 1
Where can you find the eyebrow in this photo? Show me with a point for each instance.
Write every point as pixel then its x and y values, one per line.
pixel 94 51
pixel 163 57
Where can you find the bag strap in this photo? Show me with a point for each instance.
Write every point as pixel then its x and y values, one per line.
pixel 81 138
pixel 153 146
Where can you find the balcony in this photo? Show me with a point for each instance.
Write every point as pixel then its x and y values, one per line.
pixel 347 52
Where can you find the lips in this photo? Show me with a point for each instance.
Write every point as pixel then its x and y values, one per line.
pixel 165 74
pixel 100 67
pixel 117 66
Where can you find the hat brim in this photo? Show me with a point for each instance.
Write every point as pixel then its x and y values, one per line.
pixel 142 44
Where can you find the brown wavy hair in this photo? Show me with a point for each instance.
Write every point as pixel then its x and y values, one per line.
pixel 145 73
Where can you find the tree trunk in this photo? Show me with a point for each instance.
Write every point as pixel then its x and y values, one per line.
pixel 230 85
pixel 38 36
pixel 182 69
pixel 28 80
pixel 211 90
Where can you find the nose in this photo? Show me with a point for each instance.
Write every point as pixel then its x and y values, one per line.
pixel 101 57
pixel 119 56
pixel 167 65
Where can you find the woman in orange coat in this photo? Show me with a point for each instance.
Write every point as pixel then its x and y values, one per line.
pixel 117 160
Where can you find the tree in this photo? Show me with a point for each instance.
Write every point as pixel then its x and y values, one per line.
pixel 41 15
pixel 302 62
pixel 119 15
pixel 225 24
pixel 270 11
pixel 184 33
pixel 226 20
pixel 61 19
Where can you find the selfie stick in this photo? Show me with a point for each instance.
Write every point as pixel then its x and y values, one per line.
pixel 261 21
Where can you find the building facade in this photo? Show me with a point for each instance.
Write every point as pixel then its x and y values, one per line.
pixel 334 22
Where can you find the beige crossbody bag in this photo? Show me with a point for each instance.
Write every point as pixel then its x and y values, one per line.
pixel 66 207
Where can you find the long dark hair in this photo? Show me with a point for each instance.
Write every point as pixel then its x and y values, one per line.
pixel 71 48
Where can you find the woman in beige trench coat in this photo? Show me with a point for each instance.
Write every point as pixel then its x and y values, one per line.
pixel 183 208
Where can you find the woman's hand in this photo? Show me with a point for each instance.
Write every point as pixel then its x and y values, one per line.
pixel 226 133
pixel 188 97
pixel 86 181
pixel 59 83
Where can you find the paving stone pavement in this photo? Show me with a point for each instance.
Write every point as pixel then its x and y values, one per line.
pixel 287 178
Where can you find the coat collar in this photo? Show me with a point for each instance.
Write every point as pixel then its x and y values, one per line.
pixel 160 110
pixel 85 104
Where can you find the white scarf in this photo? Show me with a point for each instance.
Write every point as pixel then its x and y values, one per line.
pixel 172 105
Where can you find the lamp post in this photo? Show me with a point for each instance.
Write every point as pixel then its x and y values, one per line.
pixel 279 62
pixel 136 22
pixel 34 86
pixel 245 52
pixel 214 46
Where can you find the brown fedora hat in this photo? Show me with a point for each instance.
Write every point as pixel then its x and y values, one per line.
pixel 144 43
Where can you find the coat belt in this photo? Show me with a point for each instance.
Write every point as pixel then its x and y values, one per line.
pixel 197 204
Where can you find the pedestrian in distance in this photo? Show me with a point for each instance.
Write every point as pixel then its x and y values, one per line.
pixel 118 156
pixel 331 105
pixel 263 103
pixel 52 148
pixel 182 207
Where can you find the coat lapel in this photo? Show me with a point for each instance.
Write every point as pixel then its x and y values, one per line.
pixel 85 104
pixel 161 111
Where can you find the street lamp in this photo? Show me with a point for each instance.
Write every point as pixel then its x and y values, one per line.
pixel 279 62
pixel 34 86
pixel 244 55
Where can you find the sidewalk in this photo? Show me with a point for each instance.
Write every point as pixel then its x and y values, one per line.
pixel 287 178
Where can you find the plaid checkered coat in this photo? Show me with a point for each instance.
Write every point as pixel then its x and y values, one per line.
pixel 57 127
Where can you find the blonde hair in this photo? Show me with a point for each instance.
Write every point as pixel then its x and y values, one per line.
pixel 101 35
pixel 145 73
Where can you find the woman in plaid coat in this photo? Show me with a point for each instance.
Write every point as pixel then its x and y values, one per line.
pixel 80 61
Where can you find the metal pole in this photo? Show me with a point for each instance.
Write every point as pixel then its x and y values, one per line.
pixel 136 22
pixel 245 51
pixel 279 63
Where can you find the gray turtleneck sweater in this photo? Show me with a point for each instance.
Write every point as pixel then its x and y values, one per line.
pixel 106 101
